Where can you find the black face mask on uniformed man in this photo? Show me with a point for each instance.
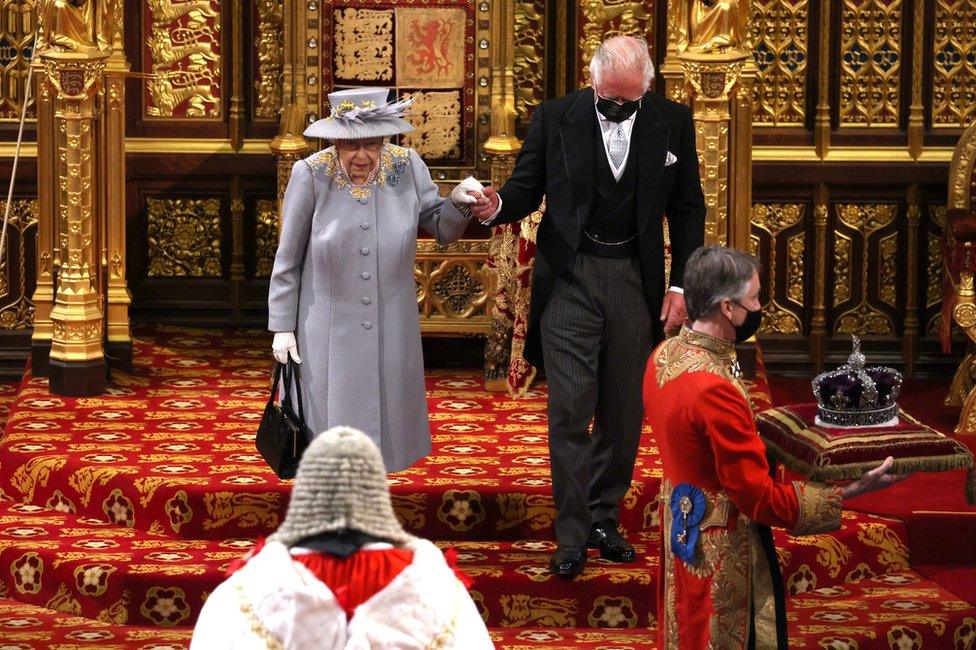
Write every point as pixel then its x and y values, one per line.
pixel 749 326
pixel 616 112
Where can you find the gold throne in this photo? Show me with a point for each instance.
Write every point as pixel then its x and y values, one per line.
pixel 959 266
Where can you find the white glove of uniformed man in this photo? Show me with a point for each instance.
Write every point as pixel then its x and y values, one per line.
pixel 285 345
pixel 459 195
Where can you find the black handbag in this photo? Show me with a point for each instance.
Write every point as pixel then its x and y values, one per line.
pixel 282 436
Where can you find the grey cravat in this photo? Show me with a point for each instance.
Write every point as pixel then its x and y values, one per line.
pixel 617 146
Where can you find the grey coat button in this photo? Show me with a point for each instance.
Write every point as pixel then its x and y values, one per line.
pixel 367 325
pixel 364 225
pixel 364 275
pixel 366 300
pixel 364 250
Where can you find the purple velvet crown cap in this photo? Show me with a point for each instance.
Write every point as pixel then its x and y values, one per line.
pixel 854 395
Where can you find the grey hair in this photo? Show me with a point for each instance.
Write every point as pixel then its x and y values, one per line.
pixel 622 55
pixel 713 274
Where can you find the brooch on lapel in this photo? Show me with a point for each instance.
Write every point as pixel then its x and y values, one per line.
pixel 687 511
pixel 397 163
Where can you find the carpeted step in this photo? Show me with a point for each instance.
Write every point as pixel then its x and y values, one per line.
pixel 900 609
pixel 29 627
pixel 556 638
pixel 513 586
pixel 120 575
pixel 865 546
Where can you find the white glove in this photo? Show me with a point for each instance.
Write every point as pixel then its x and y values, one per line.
pixel 285 345
pixel 460 192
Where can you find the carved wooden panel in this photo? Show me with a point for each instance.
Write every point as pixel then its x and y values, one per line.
pixel 268 55
pixel 17 266
pixel 183 51
pixel 529 66
pixel 780 34
pixel 453 286
pixel 866 270
pixel 954 63
pixel 18 23
pixel 870 62
pixel 601 19
pixel 184 237
pixel 778 239
pixel 432 50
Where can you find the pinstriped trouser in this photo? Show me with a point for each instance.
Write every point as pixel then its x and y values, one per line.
pixel 596 338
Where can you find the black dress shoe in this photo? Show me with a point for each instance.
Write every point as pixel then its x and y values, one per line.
pixel 568 561
pixel 605 536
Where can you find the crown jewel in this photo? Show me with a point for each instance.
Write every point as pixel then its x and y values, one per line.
pixel 854 395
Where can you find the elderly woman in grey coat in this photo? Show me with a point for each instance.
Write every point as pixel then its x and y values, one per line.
pixel 342 299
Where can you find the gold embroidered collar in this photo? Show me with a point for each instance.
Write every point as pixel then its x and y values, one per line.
pixel 718 347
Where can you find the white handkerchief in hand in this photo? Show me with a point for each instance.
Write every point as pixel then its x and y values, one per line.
pixel 670 159
pixel 460 192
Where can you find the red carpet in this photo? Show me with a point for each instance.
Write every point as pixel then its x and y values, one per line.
pixel 119 514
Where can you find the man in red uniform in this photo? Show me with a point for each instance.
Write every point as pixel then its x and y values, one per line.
pixel 720 584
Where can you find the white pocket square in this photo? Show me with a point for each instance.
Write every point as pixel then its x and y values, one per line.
pixel 670 159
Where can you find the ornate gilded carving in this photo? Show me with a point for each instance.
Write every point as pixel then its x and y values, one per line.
pixel 436 117
pixel 75 26
pixel 184 52
pixel 183 237
pixel 430 47
pixel 364 44
pixel 864 319
pixel 867 219
pixel 77 313
pixel 888 254
pixel 265 237
pixel 715 26
pixel 270 43
pixel 780 29
pixel 529 66
pixel 18 37
pixel 453 286
pixel 795 253
pixel 933 272
pixel 954 64
pixel 456 289
pixel 601 19
pixel 16 308
pixel 773 219
pixel 870 62
pixel 842 268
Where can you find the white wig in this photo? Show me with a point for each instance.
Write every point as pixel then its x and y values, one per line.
pixel 623 55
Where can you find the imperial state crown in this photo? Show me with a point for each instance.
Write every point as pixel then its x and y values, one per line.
pixel 853 396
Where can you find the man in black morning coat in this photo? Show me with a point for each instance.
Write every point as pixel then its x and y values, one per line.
pixel 612 161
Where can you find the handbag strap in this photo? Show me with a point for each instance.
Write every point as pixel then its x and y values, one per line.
pixel 279 367
pixel 291 373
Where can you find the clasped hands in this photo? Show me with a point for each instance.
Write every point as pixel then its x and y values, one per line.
pixel 481 200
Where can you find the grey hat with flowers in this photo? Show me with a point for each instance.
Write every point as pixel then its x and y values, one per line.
pixel 340 485
pixel 359 113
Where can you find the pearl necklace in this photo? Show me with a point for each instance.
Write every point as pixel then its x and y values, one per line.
pixel 360 192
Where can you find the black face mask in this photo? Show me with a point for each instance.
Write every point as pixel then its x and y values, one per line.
pixel 749 326
pixel 616 112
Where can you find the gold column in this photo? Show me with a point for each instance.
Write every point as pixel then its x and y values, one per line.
pixel 236 113
pixel 288 147
pixel 710 67
pixel 821 125
pixel 112 165
pixel 47 258
pixel 910 337
pixel 77 365
pixel 502 147
pixel 818 323
pixel 916 116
